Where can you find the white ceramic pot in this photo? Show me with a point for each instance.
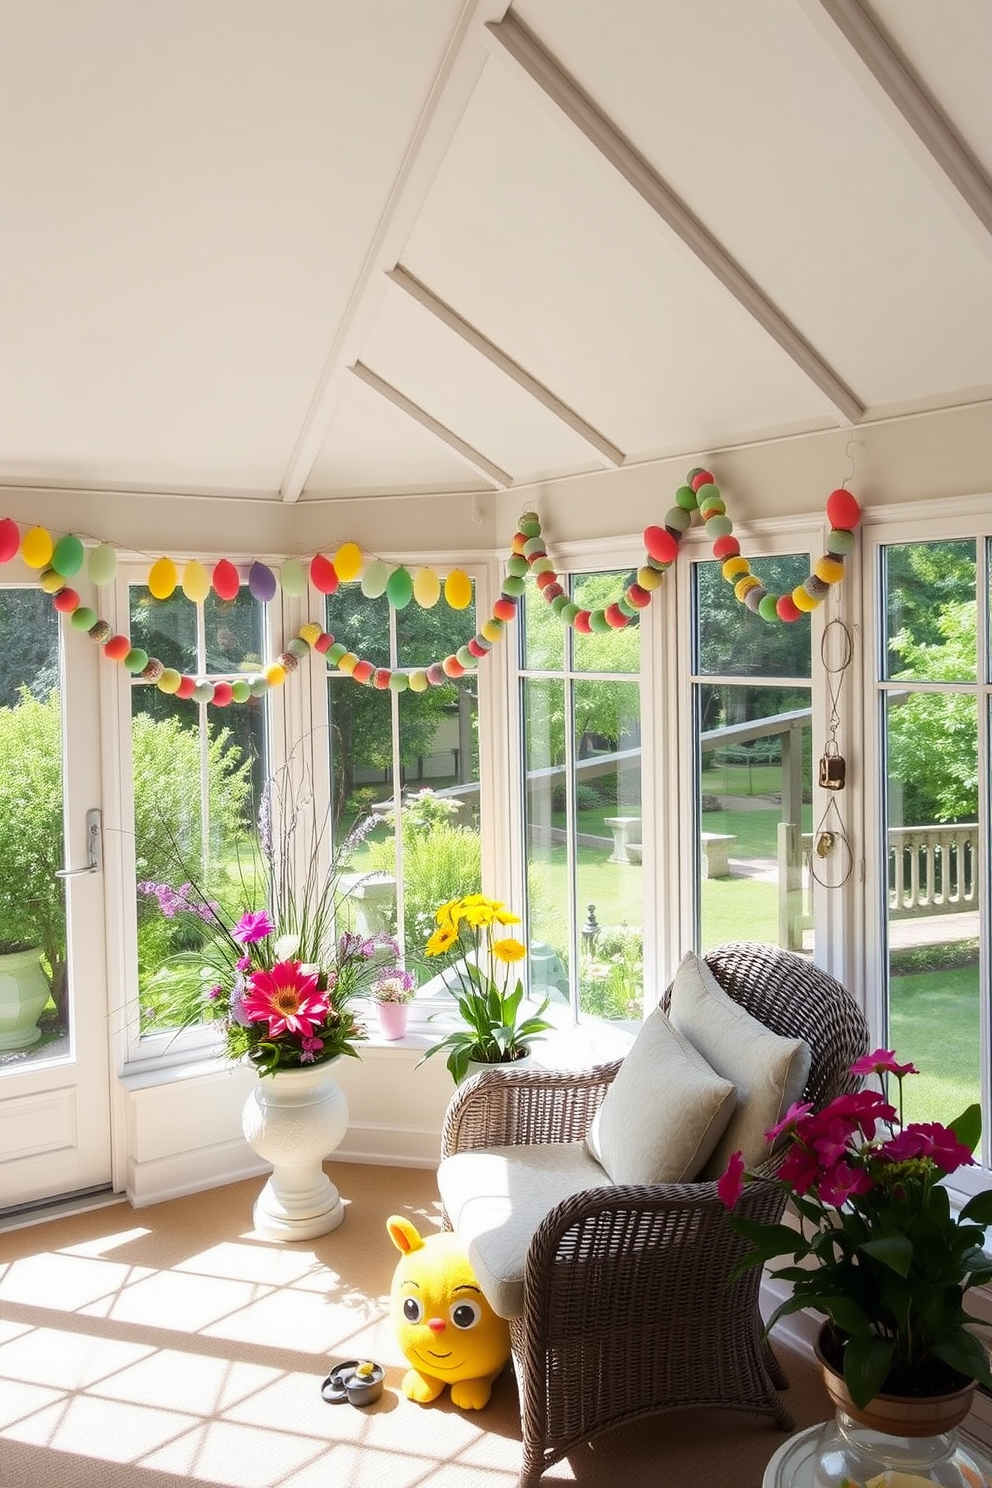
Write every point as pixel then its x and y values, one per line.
pixel 23 993
pixel 294 1119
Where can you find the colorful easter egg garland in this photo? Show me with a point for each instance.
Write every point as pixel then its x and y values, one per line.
pixel 59 561
pixel 699 494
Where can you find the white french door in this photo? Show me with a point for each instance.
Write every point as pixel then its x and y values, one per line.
pixel 55 1094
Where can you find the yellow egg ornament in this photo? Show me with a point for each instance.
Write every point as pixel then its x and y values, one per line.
pixel 196 581
pixel 162 579
pixel 37 548
pixel 348 562
pixel 458 589
pixel 426 588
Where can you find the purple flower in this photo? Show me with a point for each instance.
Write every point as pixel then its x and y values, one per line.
pixel 255 925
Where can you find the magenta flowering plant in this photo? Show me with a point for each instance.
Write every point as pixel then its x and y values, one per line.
pixel 879 1249
pixel 282 979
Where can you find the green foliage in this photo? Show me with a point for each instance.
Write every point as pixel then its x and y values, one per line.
pixel 933 736
pixel 440 861
pixel 611 981
pixel 32 903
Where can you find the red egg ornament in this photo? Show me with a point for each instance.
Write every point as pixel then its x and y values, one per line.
pixel 117 647
pixel 186 688
pixel 10 539
pixel 226 580
pixel 581 622
pixel 504 609
pixel 66 601
pixel 787 609
pixel 223 694
pixel 843 510
pixel 660 544
pixel 323 574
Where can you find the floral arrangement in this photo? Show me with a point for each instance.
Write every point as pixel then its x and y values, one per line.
pixel 394 986
pixel 283 979
pixel 887 1260
pixel 493 1030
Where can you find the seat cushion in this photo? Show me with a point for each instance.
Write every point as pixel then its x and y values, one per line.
pixel 769 1071
pixel 664 1112
pixel 497 1197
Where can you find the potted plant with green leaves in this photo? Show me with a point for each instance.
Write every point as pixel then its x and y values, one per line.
pixel 497 1024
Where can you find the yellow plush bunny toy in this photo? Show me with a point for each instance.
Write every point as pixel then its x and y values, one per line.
pixel 445 1326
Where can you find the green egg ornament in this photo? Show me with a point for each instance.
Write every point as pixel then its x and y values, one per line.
pixel 517 565
pixel 598 622
pixel 293 578
pixel 719 526
pixel 83 618
pixel 258 685
pixel 68 556
pixel 685 497
pixel 529 524
pixel 398 682
pixel 399 588
pixel 136 660
pixel 334 653
pixel 840 542
pixel 464 655
pixel 569 610
pixel 375 577
pixel 102 565
pixel 679 518
pixel 513 585
pixel 240 691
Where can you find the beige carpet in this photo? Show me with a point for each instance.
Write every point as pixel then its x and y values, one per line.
pixel 149 1348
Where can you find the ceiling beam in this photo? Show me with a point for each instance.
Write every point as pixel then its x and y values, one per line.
pixel 453 86
pixel 512 43
pixel 889 81
pixel 472 457
pixel 499 359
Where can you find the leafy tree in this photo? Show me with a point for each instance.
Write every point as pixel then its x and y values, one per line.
pixel 29 645
pixel 933 736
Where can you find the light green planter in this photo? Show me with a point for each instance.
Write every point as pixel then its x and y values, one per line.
pixel 23 994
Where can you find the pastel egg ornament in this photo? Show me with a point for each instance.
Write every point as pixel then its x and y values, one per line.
pixel 426 588
pixel 261 582
pixel 399 588
pixel 101 565
pixel 292 577
pixel 196 581
pixel 375 577
pixel 843 510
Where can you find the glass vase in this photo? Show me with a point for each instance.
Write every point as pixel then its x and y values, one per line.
pixel 850 1454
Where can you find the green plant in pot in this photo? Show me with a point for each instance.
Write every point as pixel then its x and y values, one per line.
pixel 880 1251
pixel 497 1026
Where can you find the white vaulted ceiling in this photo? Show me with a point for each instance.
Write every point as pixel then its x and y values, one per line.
pixel 313 249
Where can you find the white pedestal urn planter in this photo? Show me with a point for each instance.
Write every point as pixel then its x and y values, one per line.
pixel 294 1119
pixel 23 994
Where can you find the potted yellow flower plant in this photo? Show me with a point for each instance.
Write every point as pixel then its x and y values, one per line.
pixel 497 1027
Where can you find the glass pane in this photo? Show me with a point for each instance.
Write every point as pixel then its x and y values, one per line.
pixel 548 886
pixel 934 855
pixel 930 616
pixel 360 624
pixel 732 641
pixel 194 822
pixel 608 650
pixel 35 1023
pixel 608 855
pixel 755 820
pixel 543 632
pixel 424 636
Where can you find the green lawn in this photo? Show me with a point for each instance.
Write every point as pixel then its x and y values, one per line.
pixel 933 1022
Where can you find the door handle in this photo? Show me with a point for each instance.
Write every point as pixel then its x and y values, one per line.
pixel 94 847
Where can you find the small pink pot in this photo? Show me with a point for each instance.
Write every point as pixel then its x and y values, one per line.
pixel 392 1018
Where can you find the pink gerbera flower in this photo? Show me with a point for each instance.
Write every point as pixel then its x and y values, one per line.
pixel 287 998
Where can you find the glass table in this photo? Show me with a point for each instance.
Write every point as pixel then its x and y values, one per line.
pixel 792 1465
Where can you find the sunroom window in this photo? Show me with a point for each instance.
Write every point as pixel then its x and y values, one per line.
pixel 404 762
pixel 198 775
pixel 580 708
pixel 752 710
pixel 933 701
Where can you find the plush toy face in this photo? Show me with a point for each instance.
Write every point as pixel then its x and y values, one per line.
pixel 444 1324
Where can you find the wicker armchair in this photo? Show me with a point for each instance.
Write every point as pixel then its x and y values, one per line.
pixel 627 1310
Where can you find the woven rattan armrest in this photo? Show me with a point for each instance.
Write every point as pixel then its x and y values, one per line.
pixel 504 1107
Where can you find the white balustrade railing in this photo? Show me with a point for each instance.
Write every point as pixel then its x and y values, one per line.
pixel 933 870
